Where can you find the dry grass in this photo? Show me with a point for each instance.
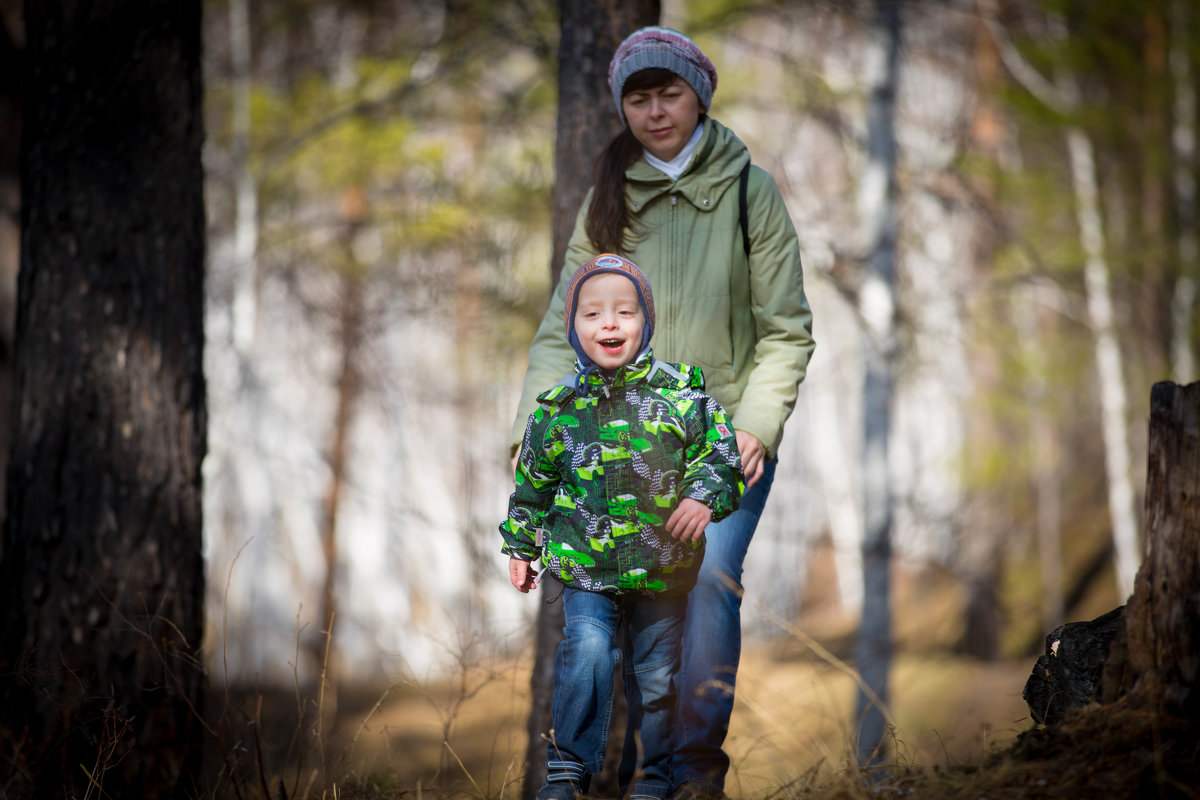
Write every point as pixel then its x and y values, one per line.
pixel 789 729
pixel 961 729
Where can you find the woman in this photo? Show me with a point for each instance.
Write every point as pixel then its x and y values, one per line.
pixel 730 300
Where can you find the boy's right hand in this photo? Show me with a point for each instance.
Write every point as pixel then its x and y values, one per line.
pixel 522 574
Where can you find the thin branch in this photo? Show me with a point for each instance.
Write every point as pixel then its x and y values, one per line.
pixel 1061 99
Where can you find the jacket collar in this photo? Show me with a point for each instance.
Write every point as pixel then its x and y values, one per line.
pixel 715 166
pixel 605 382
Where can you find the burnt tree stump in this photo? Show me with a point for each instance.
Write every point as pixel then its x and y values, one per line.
pixel 1068 674
pixel 1163 633
pixel 1150 648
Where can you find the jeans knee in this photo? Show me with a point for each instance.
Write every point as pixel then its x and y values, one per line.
pixel 718 581
pixel 656 680
pixel 589 639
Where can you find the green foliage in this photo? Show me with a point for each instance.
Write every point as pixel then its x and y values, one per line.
pixel 431 140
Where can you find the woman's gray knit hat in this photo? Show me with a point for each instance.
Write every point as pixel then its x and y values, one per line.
pixel 664 48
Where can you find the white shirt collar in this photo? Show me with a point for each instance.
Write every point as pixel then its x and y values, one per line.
pixel 674 168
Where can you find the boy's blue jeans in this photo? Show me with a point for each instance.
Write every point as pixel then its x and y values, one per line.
pixel 583 686
pixel 712 642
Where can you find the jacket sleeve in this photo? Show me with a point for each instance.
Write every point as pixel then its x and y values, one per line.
pixel 714 466
pixel 550 357
pixel 781 312
pixel 537 480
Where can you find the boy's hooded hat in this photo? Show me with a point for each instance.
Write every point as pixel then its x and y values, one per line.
pixel 664 48
pixel 608 262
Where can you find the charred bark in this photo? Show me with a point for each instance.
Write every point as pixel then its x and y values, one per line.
pixel 10 202
pixel 587 118
pixel 1148 650
pixel 101 574
pixel 1164 642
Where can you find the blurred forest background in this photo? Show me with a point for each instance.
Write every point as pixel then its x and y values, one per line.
pixel 379 177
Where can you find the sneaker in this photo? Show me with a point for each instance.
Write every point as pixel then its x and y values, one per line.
pixel 559 790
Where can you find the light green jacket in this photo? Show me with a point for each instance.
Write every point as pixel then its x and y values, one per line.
pixel 745 322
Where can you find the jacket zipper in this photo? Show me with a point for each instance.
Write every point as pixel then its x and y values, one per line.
pixel 674 273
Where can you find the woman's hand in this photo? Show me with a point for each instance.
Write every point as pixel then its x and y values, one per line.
pixel 753 456
pixel 688 520
pixel 522 574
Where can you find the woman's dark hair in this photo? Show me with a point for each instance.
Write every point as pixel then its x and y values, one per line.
pixel 608 217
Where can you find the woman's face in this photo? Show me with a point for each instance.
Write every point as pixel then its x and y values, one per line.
pixel 663 118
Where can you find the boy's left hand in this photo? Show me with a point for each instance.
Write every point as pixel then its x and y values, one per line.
pixel 688 520
pixel 522 574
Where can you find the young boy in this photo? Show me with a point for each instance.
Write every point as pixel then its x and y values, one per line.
pixel 622 467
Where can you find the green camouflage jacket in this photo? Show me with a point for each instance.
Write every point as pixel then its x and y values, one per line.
pixel 599 475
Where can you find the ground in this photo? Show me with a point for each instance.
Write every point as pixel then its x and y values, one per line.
pixel 960 727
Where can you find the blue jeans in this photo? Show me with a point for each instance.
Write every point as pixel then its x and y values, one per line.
pixel 597 626
pixel 712 642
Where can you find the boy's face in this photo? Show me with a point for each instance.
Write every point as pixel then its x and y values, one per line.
pixel 609 320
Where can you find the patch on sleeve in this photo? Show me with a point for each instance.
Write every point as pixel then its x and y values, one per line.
pixel 724 430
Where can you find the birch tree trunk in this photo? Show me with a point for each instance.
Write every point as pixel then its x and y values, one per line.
pixel 877 304
pixel 1109 371
pixel 845 507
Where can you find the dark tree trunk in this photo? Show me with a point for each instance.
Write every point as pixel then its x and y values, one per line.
pixel 10 203
pixel 1164 641
pixel 587 119
pixel 589 34
pixel 101 575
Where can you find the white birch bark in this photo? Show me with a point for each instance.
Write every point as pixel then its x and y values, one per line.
pixel 1109 370
pixel 844 510
pixel 877 307
pixel 1183 143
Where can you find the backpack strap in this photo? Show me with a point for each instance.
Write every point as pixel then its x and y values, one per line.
pixel 743 183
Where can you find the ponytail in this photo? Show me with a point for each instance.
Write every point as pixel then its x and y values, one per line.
pixel 608 216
